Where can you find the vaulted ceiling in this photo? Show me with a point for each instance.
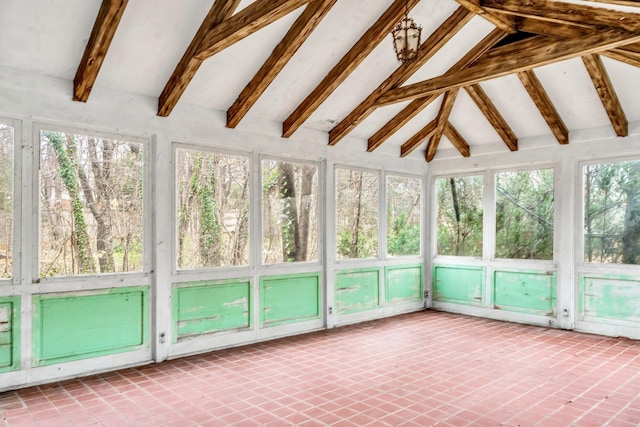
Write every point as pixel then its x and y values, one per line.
pixel 487 70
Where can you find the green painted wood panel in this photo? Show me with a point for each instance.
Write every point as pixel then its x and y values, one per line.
pixel 403 283
pixel 357 290
pixel 461 285
pixel 289 299
pixel 526 291
pixel 89 324
pixel 610 298
pixel 9 333
pixel 209 307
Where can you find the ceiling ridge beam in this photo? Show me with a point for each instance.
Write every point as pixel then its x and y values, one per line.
pixel 104 29
pixel 539 54
pixel 489 110
pixel 252 18
pixel 457 140
pixel 555 11
pixel 281 55
pixel 607 93
pixel 427 49
pixel 416 140
pixel 504 23
pixel 189 64
pixel 349 62
pixel 418 105
pixel 442 120
pixel 545 106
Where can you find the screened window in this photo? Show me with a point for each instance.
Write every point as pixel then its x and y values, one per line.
pixel 91 198
pixel 524 214
pixel 612 213
pixel 290 212
pixel 357 214
pixel 6 201
pixel 403 215
pixel 212 209
pixel 460 215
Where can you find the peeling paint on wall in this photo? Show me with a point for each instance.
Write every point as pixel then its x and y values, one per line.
pixel 403 283
pixel 9 334
pixel 289 299
pixel 461 285
pixel 609 297
pixel 525 291
pixel 357 290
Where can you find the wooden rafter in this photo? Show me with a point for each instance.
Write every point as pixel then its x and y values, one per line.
pixel 104 29
pixel 544 104
pixel 457 140
pixel 442 120
pixel 607 93
pixel 625 56
pixel 492 114
pixel 532 53
pixel 634 3
pixel 416 140
pixel 284 51
pixel 504 23
pixel 253 18
pixel 417 105
pixel 561 12
pixel 189 64
pixel 349 62
pixel 427 49
pixel 555 29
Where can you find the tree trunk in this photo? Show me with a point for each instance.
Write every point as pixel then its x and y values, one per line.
pixel 289 223
pixel 304 218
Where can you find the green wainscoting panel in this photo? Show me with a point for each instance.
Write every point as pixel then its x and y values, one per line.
pixel 525 291
pixel 462 285
pixel 403 283
pixel 207 307
pixel 9 333
pixel 289 299
pixel 89 324
pixel 357 290
pixel 610 297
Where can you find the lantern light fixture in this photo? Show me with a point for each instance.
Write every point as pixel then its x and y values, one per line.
pixel 406 38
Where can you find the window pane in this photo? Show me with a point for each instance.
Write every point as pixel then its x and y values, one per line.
pixel 212 209
pixel 357 214
pixel 91 205
pixel 612 213
pixel 290 212
pixel 6 201
pixel 460 215
pixel 524 214
pixel 403 215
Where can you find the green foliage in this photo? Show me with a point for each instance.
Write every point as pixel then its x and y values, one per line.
pixel 403 215
pixel 403 238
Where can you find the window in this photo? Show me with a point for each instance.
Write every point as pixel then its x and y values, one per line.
pixel 290 212
pixel 357 214
pixel 91 200
pixel 212 209
pixel 6 201
pixel 403 215
pixel 460 215
pixel 524 214
pixel 612 213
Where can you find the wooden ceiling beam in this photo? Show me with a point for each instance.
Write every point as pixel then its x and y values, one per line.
pixel 607 93
pixel 457 140
pixel 427 49
pixel 252 18
pixel 561 12
pixel 416 140
pixel 543 102
pixel 532 54
pixel 554 29
pixel 504 23
pixel 349 62
pixel 633 3
pixel 625 56
pixel 417 105
pixel 189 64
pixel 104 29
pixel 442 120
pixel 283 52
pixel 489 110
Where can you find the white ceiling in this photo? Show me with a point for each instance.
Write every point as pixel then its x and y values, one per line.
pixel 49 36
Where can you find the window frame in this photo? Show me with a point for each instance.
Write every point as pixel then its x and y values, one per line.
pixel 175 146
pixel 116 279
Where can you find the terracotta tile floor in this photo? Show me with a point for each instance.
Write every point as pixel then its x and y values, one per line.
pixel 425 368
